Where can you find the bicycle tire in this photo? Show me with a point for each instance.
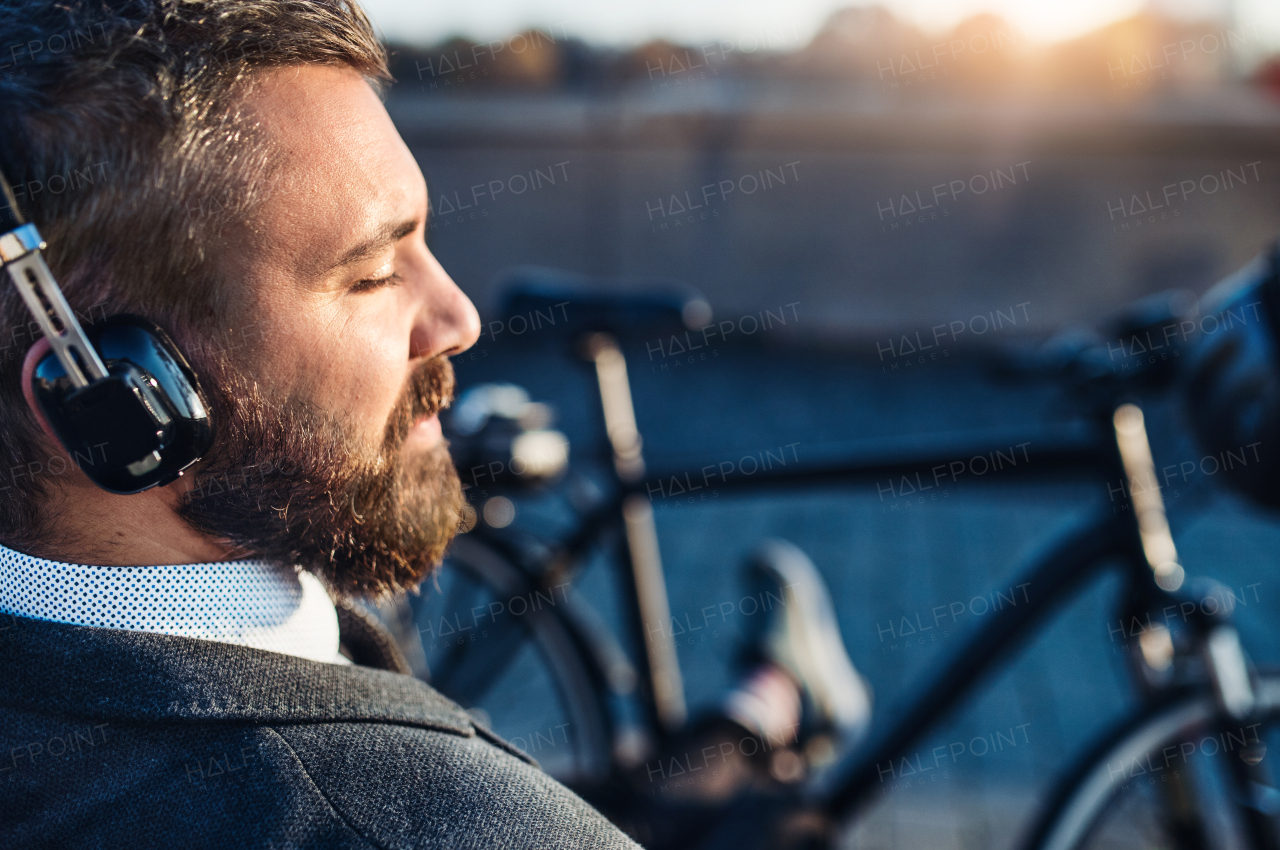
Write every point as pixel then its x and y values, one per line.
pixel 553 632
pixel 1083 801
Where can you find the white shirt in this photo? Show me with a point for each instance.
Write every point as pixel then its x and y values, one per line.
pixel 249 602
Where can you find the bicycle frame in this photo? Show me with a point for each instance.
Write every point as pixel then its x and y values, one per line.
pixel 1111 541
pixel 1124 541
pixel 1051 584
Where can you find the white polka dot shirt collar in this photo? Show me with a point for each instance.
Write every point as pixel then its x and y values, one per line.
pixel 250 603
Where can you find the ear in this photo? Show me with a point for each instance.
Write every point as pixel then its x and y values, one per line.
pixel 34 355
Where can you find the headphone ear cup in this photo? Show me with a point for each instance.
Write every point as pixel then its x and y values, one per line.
pixel 144 423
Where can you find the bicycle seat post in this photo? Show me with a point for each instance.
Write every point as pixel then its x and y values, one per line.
pixel 650 584
pixel 1144 492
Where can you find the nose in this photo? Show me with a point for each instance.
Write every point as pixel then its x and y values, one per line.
pixel 447 321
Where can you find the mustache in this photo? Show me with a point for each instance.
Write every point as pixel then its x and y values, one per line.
pixel 429 389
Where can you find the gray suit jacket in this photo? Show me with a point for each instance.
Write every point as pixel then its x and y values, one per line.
pixel 123 739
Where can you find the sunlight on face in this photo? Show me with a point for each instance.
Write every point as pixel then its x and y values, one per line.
pixel 337 266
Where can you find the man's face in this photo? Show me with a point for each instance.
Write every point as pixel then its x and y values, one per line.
pixel 347 320
pixel 349 298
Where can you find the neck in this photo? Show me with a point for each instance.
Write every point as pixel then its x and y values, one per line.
pixel 92 526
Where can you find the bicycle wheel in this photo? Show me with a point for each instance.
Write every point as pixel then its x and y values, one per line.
pixel 1165 780
pixel 513 652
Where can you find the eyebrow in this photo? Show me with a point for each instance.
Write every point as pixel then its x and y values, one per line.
pixel 387 235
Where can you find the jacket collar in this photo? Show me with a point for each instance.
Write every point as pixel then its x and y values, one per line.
pixel 116 675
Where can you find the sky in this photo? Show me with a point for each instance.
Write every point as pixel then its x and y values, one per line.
pixel 784 24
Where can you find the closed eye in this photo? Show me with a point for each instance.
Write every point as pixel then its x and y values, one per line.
pixel 375 283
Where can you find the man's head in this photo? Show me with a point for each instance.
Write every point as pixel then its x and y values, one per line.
pixel 257 201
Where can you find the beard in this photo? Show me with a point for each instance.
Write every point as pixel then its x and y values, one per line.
pixel 293 485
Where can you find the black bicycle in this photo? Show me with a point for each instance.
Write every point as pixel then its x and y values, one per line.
pixel 1189 768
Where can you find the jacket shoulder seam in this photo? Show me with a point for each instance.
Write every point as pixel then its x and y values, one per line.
pixel 495 740
pixel 319 792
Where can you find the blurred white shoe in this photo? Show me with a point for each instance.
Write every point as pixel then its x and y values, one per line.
pixel 801 635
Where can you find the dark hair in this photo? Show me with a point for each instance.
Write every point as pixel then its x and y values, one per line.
pixel 125 146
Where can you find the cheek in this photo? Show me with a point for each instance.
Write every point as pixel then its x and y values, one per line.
pixel 349 363
pixel 364 374
pixel 359 378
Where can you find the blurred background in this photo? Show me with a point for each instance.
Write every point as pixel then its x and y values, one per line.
pixel 1015 171
pixel 1088 102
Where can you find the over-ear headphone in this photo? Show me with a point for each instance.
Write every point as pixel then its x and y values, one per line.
pixel 123 401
